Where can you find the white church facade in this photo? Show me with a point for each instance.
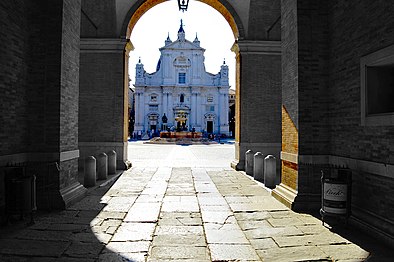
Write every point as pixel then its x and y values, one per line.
pixel 181 95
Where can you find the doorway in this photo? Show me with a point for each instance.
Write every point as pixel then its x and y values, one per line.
pixel 210 127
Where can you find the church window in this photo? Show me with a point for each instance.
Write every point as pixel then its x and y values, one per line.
pixel 377 88
pixel 210 99
pixel 182 98
pixel 182 78
pixel 153 98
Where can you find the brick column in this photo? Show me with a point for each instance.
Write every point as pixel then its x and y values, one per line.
pixel 51 151
pixel 102 97
pixel 305 124
pixel 258 99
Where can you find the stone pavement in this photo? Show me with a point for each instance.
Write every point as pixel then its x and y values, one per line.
pixel 172 213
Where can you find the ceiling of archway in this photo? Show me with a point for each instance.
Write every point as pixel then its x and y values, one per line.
pixel 146 5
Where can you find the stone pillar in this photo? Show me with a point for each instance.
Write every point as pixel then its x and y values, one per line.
pixel 89 178
pixel 103 96
pixel 258 99
pixel 102 166
pixel 269 171
pixel 111 162
pixel 258 167
pixel 249 158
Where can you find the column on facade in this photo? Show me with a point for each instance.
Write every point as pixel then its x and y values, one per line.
pixel 224 114
pixel 199 122
pixel 137 108
pixel 142 112
pixel 220 111
pixel 169 108
pixel 194 110
pixel 165 103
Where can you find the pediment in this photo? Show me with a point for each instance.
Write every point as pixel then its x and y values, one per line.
pixel 182 45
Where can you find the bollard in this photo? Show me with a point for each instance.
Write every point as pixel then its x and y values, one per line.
pixel 89 178
pixel 102 166
pixel 249 162
pixel 269 171
pixel 111 162
pixel 258 167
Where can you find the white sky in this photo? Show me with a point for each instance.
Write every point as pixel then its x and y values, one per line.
pixel 212 29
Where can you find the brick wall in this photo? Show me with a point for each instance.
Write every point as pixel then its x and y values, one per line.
pixel 70 75
pixel 290 59
pixel 313 46
pixel 263 20
pixel 260 97
pixel 14 28
pixel 101 97
pixel 98 18
pixel 289 145
pixel 44 75
pixel 356 31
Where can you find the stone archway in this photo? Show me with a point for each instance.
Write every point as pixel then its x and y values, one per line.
pixel 105 49
pixel 223 7
pixel 104 96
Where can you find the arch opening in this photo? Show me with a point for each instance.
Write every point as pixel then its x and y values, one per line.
pixel 182 62
pixel 141 7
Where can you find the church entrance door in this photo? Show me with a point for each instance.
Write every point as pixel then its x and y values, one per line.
pixel 210 127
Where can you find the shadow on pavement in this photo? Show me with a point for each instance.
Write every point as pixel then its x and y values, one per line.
pixel 378 249
pixel 79 233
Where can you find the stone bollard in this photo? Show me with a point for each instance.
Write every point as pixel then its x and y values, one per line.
pixel 111 162
pixel 102 166
pixel 270 171
pixel 258 167
pixel 249 162
pixel 89 178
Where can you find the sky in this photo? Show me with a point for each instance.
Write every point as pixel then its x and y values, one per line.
pixel 212 29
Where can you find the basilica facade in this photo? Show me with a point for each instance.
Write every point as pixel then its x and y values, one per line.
pixel 181 95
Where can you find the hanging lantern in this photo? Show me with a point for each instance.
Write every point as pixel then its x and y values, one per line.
pixel 182 4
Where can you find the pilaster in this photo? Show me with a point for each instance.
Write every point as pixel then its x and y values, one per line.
pixel 258 99
pixel 103 96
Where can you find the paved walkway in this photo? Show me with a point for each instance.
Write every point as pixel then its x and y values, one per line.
pixel 168 212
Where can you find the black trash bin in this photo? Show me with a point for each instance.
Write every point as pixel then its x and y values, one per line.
pixel 20 192
pixel 336 193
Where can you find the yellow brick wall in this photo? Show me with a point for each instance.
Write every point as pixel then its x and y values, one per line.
pixel 289 145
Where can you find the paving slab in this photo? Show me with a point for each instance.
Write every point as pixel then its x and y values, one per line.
pixel 134 232
pixel 127 247
pixel 173 253
pixel 141 212
pixel 309 253
pixel 220 252
pixel 179 240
